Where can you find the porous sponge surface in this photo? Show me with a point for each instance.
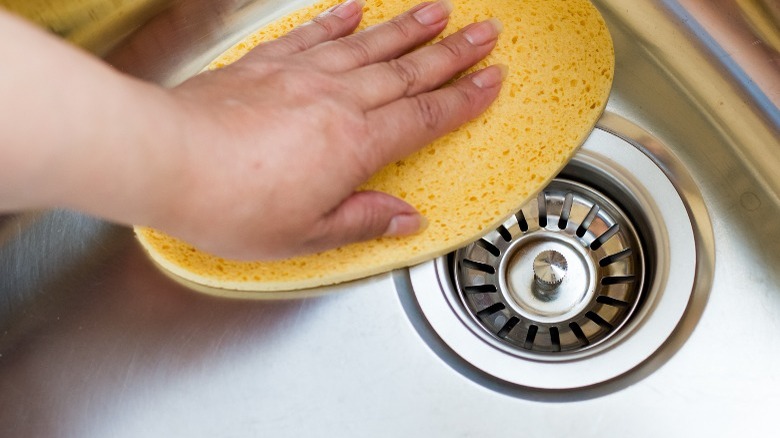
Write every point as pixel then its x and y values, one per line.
pixel 561 63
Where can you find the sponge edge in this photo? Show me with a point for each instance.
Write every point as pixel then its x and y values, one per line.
pixel 561 64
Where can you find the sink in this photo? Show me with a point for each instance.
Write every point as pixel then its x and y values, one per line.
pixel 97 342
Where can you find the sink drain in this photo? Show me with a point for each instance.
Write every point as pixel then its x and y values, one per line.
pixel 561 275
pixel 580 286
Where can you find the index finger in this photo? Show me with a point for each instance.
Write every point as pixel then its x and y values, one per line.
pixel 408 124
pixel 383 41
pixel 424 69
pixel 336 22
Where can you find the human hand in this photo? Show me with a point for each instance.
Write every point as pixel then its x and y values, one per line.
pixel 277 143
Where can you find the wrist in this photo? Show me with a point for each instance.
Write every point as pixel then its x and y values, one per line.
pixel 85 137
pixel 136 160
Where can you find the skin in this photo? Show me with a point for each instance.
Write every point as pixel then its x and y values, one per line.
pixel 258 160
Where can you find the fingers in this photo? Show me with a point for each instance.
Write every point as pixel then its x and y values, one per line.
pixel 410 123
pixel 424 69
pixel 405 125
pixel 334 23
pixel 366 215
pixel 384 41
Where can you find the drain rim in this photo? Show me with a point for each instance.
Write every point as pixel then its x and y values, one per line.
pixel 651 326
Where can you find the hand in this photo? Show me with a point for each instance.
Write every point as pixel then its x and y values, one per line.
pixel 258 160
pixel 277 142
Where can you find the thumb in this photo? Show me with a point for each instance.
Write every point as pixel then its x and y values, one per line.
pixel 367 215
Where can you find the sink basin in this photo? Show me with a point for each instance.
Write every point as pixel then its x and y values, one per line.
pixel 97 342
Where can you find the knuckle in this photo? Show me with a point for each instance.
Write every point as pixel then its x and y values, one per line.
pixel 400 27
pixel 453 49
pixel 323 24
pixel 296 40
pixel 467 96
pixel 429 111
pixel 301 38
pixel 407 72
pixel 371 225
pixel 336 228
pixel 357 49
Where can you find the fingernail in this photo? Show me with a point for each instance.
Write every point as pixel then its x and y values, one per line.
pixel 491 76
pixel 434 13
pixel 349 9
pixel 483 32
pixel 406 224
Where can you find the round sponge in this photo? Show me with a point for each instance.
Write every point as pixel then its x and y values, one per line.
pixel 561 63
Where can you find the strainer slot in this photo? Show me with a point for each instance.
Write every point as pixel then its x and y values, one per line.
pixel 481 289
pixel 506 328
pixel 530 337
pixel 563 221
pixel 489 247
pixel 585 225
pixel 606 235
pixel 555 339
pixel 505 234
pixel 542 202
pixel 493 308
pixel 610 259
pixel 575 328
pixel 623 279
pixel 599 320
pixel 521 222
pixel 477 266
pixel 609 301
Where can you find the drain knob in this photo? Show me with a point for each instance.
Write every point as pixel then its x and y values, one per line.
pixel 549 269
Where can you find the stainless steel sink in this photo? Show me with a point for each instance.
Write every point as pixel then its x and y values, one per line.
pixel 97 342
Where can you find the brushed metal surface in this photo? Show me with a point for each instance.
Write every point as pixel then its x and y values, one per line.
pixel 96 342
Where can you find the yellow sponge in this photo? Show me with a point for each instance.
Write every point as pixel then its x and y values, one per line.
pixel 561 63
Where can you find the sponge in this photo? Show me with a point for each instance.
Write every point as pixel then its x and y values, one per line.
pixel 561 63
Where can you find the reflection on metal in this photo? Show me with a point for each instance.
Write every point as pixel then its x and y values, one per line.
pixel 96 342
pixel 746 32
pixel 165 41
pixel 763 17
pixel 97 25
pixel 549 270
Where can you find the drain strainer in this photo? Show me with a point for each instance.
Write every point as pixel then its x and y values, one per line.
pixel 561 275
pixel 580 286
